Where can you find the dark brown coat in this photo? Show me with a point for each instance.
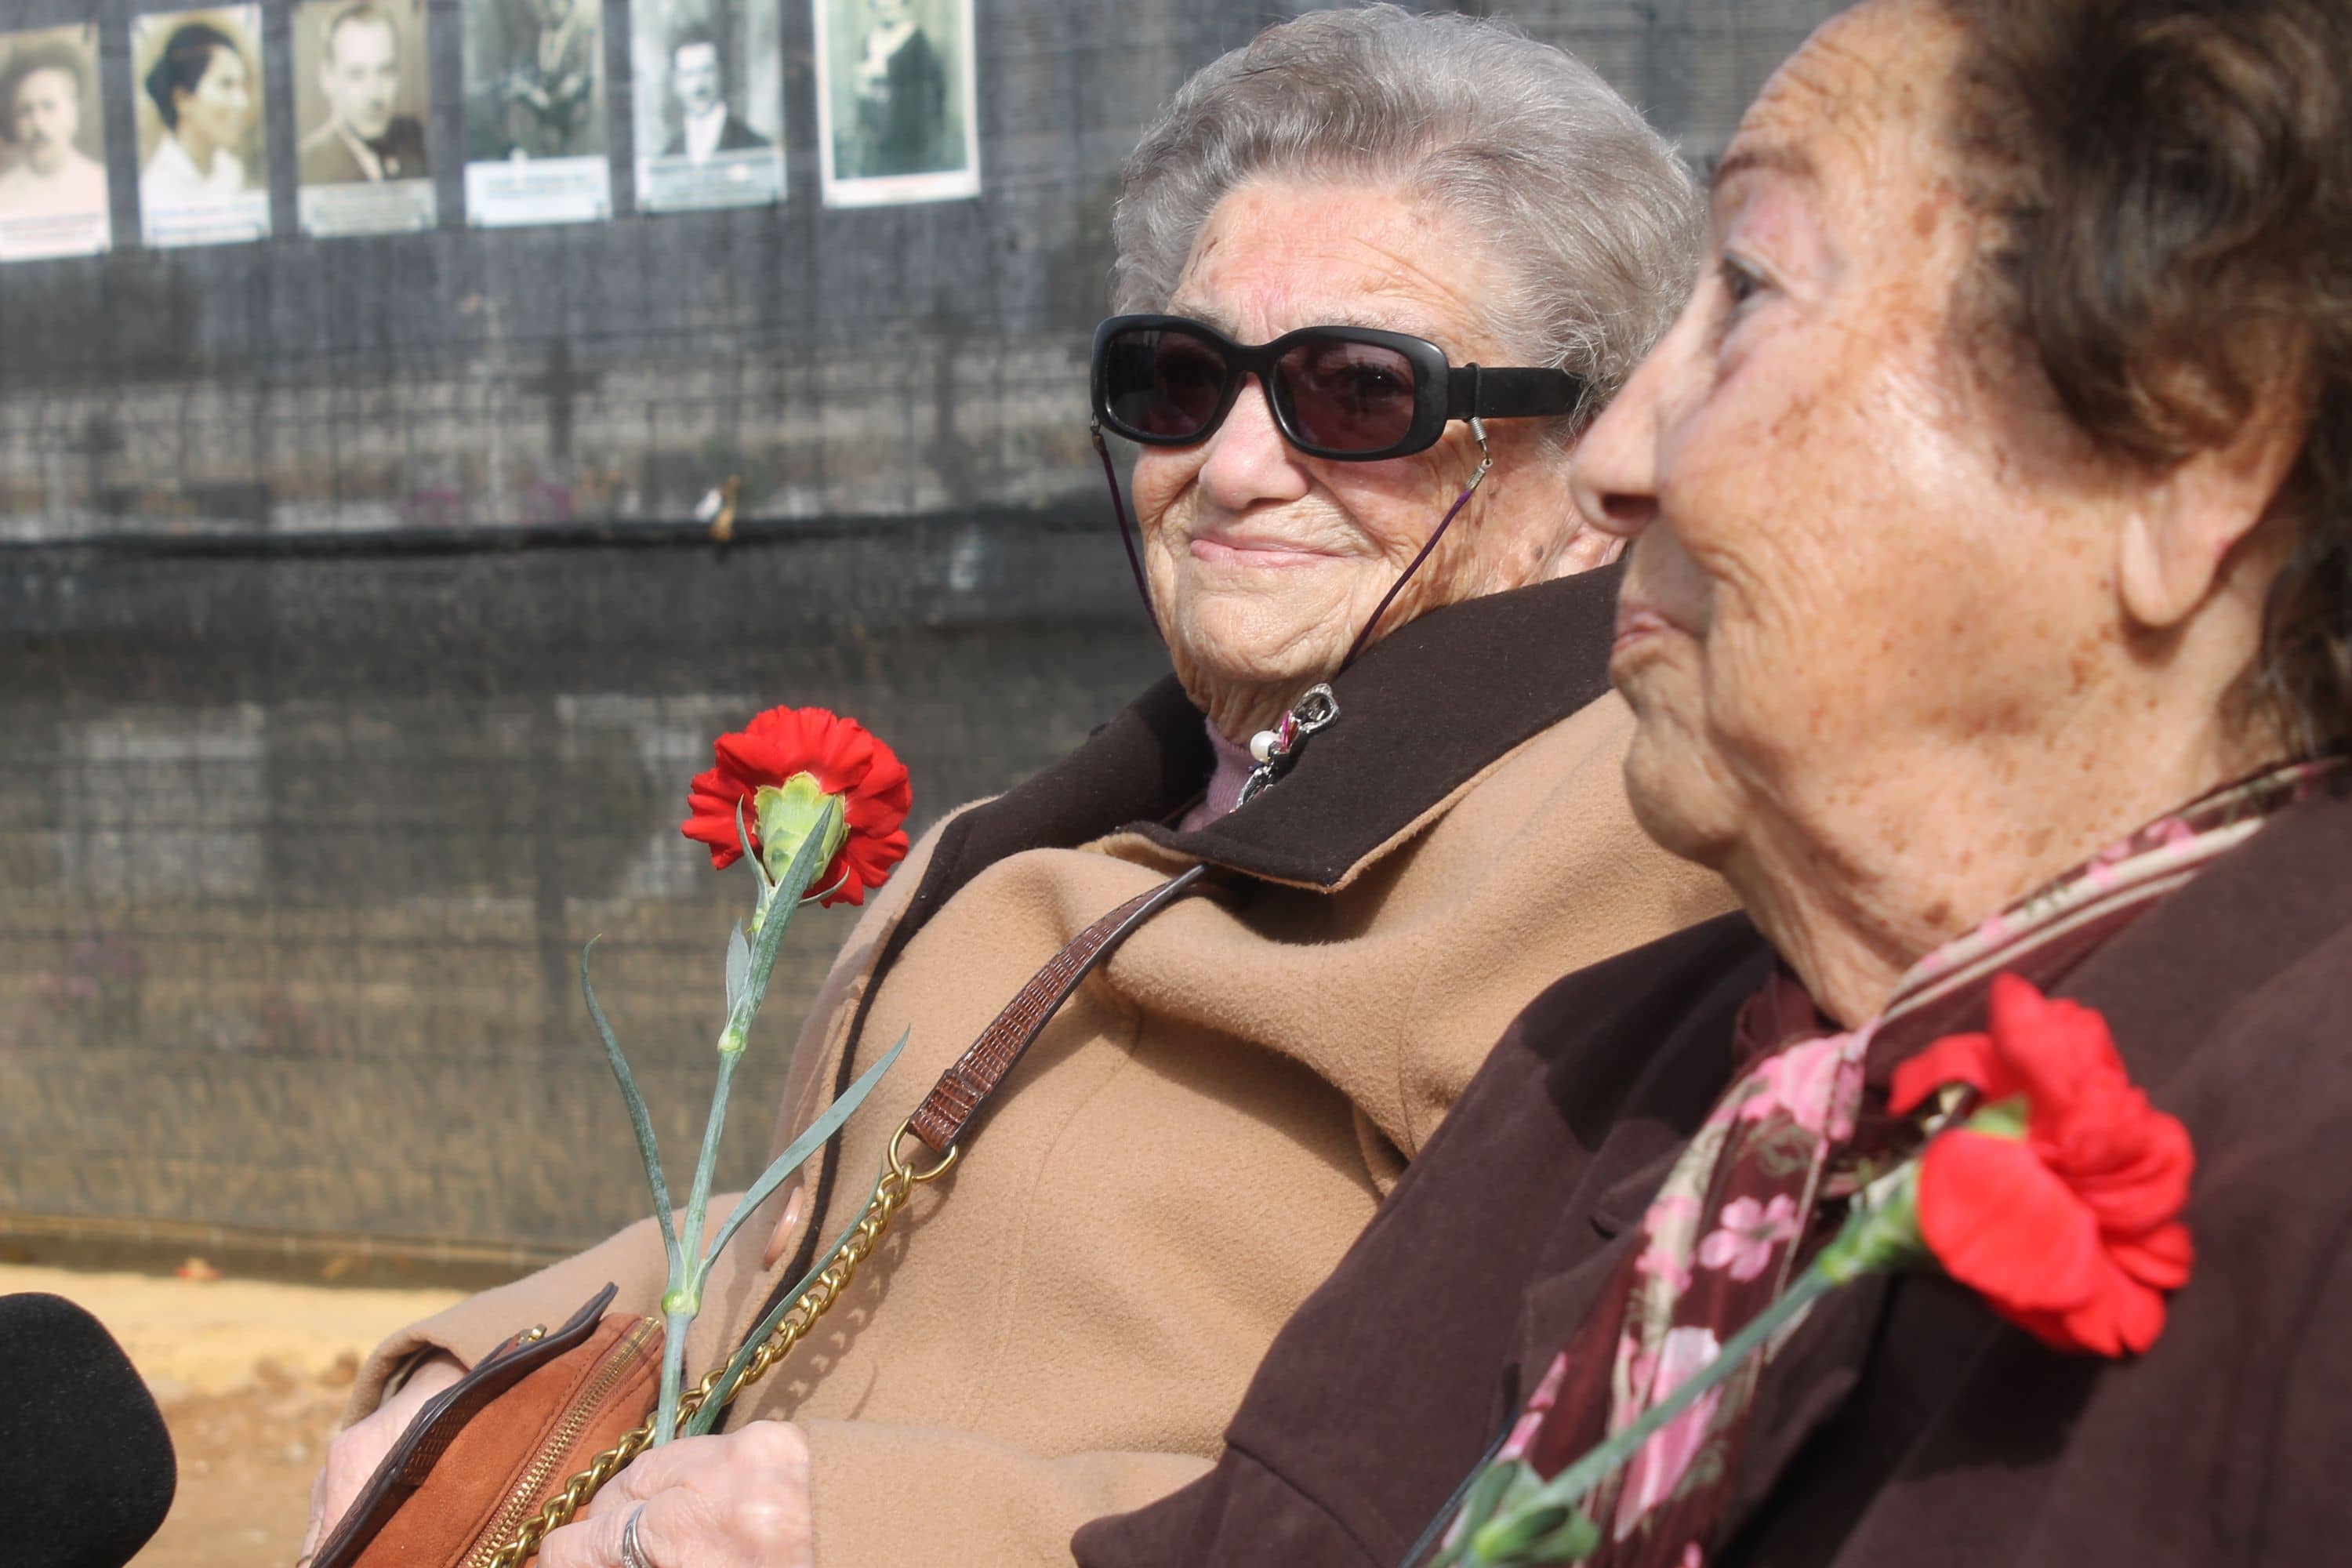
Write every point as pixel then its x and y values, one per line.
pixel 1905 1426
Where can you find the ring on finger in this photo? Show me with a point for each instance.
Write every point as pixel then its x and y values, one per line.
pixel 633 1554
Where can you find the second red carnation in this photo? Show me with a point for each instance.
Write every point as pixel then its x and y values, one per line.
pixel 2071 1231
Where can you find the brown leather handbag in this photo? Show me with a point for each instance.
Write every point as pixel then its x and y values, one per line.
pixel 494 1446
pixel 518 1446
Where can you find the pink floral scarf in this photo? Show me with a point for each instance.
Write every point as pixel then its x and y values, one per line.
pixel 1763 1183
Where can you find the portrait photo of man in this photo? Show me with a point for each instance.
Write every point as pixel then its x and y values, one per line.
pixel 697 82
pixel 364 136
pixel 47 120
pixel 362 102
pixel 710 102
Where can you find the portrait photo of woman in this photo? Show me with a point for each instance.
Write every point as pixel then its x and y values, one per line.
pixel 202 170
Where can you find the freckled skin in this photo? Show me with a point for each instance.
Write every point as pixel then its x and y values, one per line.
pixel 1250 629
pixel 1886 674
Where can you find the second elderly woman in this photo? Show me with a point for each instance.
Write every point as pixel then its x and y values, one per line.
pixel 1061 1327
pixel 1988 622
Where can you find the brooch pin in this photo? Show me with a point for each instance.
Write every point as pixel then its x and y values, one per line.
pixel 1275 750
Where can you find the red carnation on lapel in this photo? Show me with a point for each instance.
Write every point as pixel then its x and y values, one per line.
pixel 2069 1230
pixel 844 758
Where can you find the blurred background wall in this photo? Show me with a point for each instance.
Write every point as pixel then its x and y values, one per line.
pixel 359 637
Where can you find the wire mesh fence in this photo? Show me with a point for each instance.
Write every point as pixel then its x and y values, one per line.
pixel 360 638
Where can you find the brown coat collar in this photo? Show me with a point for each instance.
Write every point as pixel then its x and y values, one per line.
pixel 1426 710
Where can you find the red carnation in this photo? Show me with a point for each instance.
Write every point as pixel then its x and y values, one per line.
pixel 2068 1230
pixel 844 758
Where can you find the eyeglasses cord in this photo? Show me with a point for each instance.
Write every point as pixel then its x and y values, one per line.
pixel 1119 509
pixel 1485 461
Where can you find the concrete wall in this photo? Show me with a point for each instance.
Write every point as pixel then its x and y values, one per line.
pixel 312 782
pixel 300 857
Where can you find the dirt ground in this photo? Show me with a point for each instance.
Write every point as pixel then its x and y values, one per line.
pixel 251 1377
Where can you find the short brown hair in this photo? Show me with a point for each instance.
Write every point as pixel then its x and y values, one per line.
pixel 2175 182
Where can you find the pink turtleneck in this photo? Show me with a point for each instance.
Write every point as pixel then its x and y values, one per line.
pixel 1233 771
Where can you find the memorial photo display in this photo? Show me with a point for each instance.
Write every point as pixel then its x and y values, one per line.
pixel 203 168
pixel 710 81
pixel 895 101
pixel 53 193
pixel 536 137
pixel 894 82
pixel 362 101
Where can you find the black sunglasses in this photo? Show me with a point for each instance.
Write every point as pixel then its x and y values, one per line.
pixel 1352 394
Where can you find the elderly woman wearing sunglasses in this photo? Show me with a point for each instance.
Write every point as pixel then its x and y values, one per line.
pixel 1338 230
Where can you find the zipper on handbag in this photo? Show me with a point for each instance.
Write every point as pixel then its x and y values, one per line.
pixel 561 1441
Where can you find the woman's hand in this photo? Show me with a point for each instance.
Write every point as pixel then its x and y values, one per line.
pixel 741 1500
pixel 355 1453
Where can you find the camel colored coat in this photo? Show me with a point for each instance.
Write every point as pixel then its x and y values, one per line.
pixel 1062 1328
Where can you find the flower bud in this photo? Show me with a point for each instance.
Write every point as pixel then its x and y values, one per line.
pixel 1556 1532
pixel 788 813
pixel 1881 1235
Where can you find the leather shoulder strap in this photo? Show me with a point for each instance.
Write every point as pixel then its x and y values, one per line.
pixel 955 1101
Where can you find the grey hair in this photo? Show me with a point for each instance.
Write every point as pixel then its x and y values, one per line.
pixel 1591 222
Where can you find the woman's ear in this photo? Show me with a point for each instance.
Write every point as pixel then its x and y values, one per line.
pixel 2177 532
pixel 1571 544
pixel 1588 548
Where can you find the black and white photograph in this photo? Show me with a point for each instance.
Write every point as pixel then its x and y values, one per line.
pixel 361 99
pixel 203 168
pixel 537 143
pixel 895 101
pixel 710 102
pixel 52 146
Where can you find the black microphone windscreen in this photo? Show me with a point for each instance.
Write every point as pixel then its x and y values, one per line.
pixel 86 1466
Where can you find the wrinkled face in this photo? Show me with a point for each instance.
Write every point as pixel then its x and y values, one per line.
pixel 361 77
pixel 1263 563
pixel 1859 551
pixel 693 77
pixel 219 109
pixel 46 117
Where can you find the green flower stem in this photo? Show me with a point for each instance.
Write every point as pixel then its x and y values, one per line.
pixel 683 1298
pixel 1493 1544
pixel 797 1153
pixel 1880 1236
pixel 707 1417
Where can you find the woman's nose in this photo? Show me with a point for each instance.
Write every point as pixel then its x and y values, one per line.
pixel 1615 472
pixel 1248 461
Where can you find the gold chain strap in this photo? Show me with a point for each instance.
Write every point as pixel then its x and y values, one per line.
pixel 895 1184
